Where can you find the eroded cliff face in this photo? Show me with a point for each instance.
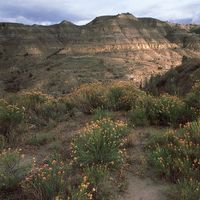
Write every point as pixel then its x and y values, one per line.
pixel 103 34
pixel 140 46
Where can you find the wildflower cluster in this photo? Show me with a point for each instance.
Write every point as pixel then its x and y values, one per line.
pixel 162 110
pixel 100 143
pixel 176 155
pixel 86 191
pixel 10 117
pixel 192 99
pixel 119 95
pixel 47 181
pixel 187 189
pixel 144 108
pixel 12 171
pixel 101 113
pixel 166 110
pixel 122 95
pixel 40 108
pixel 94 184
pixel 89 97
pixel 33 98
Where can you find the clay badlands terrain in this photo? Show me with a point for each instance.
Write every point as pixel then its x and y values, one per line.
pixel 59 57
pixel 85 114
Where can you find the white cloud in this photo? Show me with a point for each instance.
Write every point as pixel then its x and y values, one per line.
pixel 21 19
pixel 196 18
pixel 83 22
pixel 82 11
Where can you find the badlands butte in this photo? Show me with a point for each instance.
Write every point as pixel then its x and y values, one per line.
pixel 57 58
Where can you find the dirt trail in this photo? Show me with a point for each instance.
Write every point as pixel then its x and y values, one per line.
pixel 143 189
pixel 141 185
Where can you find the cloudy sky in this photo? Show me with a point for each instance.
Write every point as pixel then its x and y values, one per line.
pixel 82 11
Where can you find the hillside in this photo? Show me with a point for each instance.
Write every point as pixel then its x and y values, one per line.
pixel 177 80
pixel 60 57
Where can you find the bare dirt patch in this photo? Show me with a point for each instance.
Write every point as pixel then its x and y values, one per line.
pixel 142 184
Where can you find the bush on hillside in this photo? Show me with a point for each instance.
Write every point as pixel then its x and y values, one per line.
pixel 97 178
pixel 175 155
pixel 12 171
pixel 163 110
pixel 192 100
pixel 100 143
pixel 2 142
pixel 89 97
pixel 115 96
pixel 41 108
pixel 10 118
pixel 122 96
pixel 166 110
pixel 48 181
pixel 158 83
pixel 138 116
pixel 40 139
pixel 101 113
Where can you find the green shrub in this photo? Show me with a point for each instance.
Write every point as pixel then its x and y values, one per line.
pixel 31 100
pixel 138 116
pixel 40 139
pixel 83 192
pixel 55 146
pixel 122 96
pixel 65 105
pixel 175 155
pixel 99 185
pixel 114 98
pixel 12 170
pixel 155 84
pixel 168 110
pixel 55 109
pixel 163 110
pixel 100 143
pixel 96 174
pixel 192 99
pixel 2 142
pixel 175 152
pixel 101 113
pixel 41 109
pixel 10 117
pixel 94 184
pixel 186 189
pixel 48 181
pixel 89 97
